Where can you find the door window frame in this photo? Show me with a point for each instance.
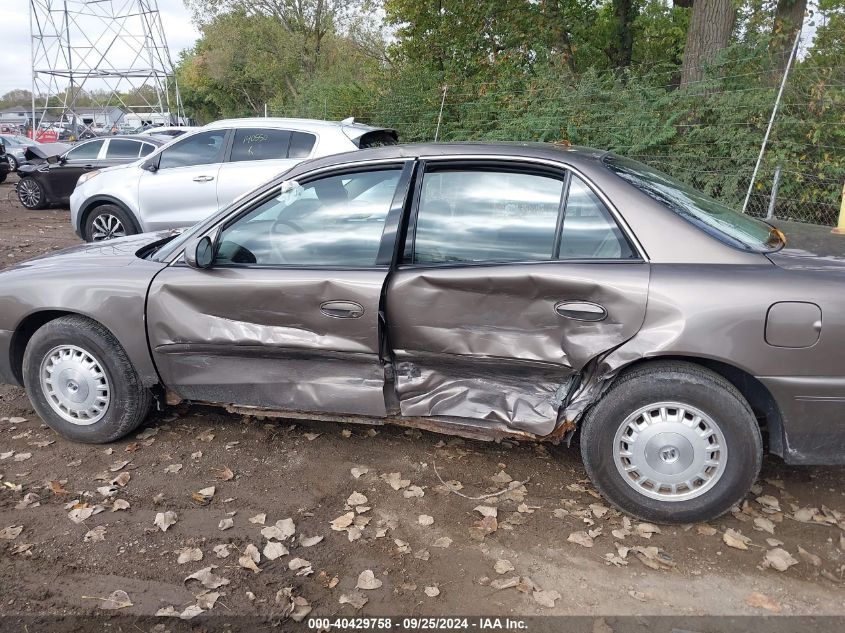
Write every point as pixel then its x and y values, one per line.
pixel 104 143
pixel 561 172
pixel 155 159
pixel 390 232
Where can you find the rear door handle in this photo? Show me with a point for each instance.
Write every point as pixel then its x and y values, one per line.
pixel 342 309
pixel 203 178
pixel 581 311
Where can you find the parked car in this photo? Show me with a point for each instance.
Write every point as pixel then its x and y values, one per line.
pixel 50 176
pixel 168 132
pixel 528 291
pixel 16 148
pixel 5 168
pixel 198 173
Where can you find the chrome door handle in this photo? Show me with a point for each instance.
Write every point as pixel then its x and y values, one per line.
pixel 203 178
pixel 342 309
pixel 580 311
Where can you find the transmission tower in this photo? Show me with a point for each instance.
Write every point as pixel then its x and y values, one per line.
pixel 91 56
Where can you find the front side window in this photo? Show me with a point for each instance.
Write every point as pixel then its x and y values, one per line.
pixel 486 216
pixel 256 144
pixel 85 151
pixel 334 221
pixel 203 148
pixel 122 148
pixel 589 230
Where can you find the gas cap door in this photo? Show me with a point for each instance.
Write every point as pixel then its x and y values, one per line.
pixel 793 324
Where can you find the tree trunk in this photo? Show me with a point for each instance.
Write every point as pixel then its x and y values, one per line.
pixel 789 16
pixel 622 44
pixel 710 30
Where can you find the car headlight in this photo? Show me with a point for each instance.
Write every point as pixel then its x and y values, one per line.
pixel 86 177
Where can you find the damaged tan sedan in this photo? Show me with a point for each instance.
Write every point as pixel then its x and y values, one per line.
pixel 528 291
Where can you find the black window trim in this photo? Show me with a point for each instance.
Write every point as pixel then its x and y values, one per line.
pixel 530 167
pixel 227 140
pixel 137 142
pixel 390 232
pixel 101 141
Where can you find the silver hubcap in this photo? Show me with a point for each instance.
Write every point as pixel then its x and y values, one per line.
pixel 75 385
pixel 106 227
pixel 670 451
pixel 29 192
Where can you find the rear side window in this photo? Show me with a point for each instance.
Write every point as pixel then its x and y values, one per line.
pixel 85 151
pixel 146 148
pixel 122 148
pixel 254 144
pixel 486 216
pixel 589 230
pixel 203 148
pixel 301 144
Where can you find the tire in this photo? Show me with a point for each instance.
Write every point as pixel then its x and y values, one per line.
pixel 31 193
pixel 13 163
pixel 616 436
pixel 106 222
pixel 67 345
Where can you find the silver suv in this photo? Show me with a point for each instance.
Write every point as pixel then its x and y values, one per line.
pixel 190 178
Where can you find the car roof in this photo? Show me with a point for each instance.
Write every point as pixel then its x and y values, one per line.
pixel 128 137
pixel 308 125
pixel 557 152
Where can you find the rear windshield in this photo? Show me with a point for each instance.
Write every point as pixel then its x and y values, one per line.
pixel 731 227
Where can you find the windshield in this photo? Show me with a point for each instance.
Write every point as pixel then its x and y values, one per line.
pixel 736 229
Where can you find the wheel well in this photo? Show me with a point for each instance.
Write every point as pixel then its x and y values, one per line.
pixel 26 328
pixel 99 202
pixel 761 400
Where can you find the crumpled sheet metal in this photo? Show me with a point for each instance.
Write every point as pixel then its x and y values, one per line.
pixel 258 337
pixel 486 342
pixel 527 405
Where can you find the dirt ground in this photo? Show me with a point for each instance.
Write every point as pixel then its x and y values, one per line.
pixel 422 543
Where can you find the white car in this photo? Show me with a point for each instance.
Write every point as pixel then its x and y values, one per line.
pixel 166 133
pixel 200 172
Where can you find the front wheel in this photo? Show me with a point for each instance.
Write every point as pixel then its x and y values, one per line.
pixel 31 193
pixel 81 382
pixel 107 222
pixel 13 163
pixel 672 442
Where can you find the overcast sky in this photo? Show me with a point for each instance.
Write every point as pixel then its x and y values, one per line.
pixel 16 59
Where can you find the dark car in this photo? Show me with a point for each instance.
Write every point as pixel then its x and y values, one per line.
pixel 52 170
pixel 5 166
pixel 525 291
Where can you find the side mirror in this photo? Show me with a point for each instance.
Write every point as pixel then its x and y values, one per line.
pixel 199 252
pixel 150 165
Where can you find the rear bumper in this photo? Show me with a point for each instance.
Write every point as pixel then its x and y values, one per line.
pixel 7 376
pixel 813 409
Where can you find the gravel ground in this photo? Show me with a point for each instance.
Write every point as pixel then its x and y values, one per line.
pixel 87 520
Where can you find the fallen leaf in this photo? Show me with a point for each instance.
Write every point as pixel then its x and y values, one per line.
pixel 483 527
pixel 762 601
pixel 164 520
pixel 356 499
pixel 249 558
pixel 258 518
pixel 599 510
pixel 207 578
pixel 359 470
pixel 117 599
pixel 764 525
pixel 395 480
pixel 367 580
pixel 487 511
pixel 30 500
pixel 95 534
pixel 224 474
pixel 769 502
pixel 188 554
pixel 309 541
pixel 204 496
pixel 653 557
pixel 274 550
pixel 294 607
pixel 343 521
pixel 226 523
pixel 425 519
pixel 809 557
pixel 301 566
pixel 546 598
pixel 502 478
pixel 779 559
pixel 22 457
pixel 118 466
pixel 173 468
pixel 581 538
pixel 223 550
pixel 57 488
pixel 119 504
pixel 503 566
pixel 355 599
pixel 121 480
pixel 432 592
pixel 283 529
pixel 735 539
pixel 413 492
pixel 645 530
pixel 505 583
pixel 442 542
pixel 191 611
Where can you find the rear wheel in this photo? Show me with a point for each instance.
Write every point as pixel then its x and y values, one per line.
pixel 672 442
pixel 81 382
pixel 13 163
pixel 31 193
pixel 107 222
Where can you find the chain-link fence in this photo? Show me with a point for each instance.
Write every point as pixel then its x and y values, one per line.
pixel 707 133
